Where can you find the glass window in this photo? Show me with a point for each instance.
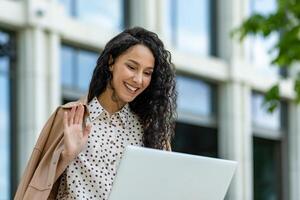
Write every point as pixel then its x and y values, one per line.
pixel 4 119
pixel 261 118
pixel 194 96
pixel 270 152
pixel 4 64
pixel 77 66
pixel 263 6
pixel 4 51
pixel 86 64
pixel 67 64
pixel 259 48
pixel 68 6
pixel 195 140
pixel 109 13
pixel 196 131
pixel 267 169
pixel 4 142
pixel 188 25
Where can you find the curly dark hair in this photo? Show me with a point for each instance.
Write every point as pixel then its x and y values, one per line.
pixel 156 105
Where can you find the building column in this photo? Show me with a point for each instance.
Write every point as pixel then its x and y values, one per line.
pixel 54 77
pixel 235 138
pixel 38 75
pixel 230 15
pixel 144 13
pixel 32 91
pixel 235 131
pixel 294 151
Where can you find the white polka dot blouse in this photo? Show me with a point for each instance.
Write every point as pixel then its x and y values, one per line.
pixel 91 174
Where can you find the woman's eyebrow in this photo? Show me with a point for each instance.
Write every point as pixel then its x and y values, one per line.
pixel 136 63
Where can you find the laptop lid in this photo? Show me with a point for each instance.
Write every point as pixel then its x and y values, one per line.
pixel 148 174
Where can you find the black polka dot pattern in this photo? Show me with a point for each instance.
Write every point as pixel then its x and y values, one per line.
pixel 91 174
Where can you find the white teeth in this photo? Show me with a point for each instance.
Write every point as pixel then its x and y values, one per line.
pixel 133 89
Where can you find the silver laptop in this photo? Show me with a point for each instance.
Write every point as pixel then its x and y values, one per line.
pixel 148 174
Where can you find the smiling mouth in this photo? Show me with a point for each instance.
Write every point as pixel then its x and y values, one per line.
pixel 130 88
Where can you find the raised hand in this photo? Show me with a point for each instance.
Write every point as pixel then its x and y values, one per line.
pixel 75 135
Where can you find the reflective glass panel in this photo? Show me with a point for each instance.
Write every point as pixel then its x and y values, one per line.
pixel 263 6
pixel 259 51
pixel 193 26
pixel 4 64
pixel 195 140
pixel 86 64
pixel 108 13
pixel 4 133
pixel 4 37
pixel 67 63
pixel 261 117
pixel 77 66
pixel 4 61
pixel 194 96
pixel 67 4
pixel 267 173
pixel 168 19
pixel 190 25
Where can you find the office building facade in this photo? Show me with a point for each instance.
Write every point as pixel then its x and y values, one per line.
pixel 48 49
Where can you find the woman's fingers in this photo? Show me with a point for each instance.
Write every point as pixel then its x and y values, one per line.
pixel 81 113
pixel 65 120
pixel 76 116
pixel 75 135
pixel 71 116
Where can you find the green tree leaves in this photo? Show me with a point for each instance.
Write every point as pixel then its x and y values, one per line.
pixel 286 22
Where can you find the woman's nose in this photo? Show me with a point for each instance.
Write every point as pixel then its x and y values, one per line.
pixel 138 78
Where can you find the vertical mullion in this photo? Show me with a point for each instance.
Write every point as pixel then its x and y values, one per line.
pixel 285 162
pixel 213 48
pixel 14 149
pixel 126 13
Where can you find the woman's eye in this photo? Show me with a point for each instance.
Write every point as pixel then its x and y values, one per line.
pixel 148 73
pixel 130 67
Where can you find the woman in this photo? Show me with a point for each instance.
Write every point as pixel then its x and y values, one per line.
pixel 131 101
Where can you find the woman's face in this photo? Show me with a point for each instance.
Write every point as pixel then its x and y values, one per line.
pixel 131 72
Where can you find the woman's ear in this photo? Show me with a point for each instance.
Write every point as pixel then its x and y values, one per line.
pixel 110 63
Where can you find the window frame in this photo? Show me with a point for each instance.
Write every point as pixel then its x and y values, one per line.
pixel 270 133
pixel 212 27
pixel 201 120
pixel 74 92
pixel 281 138
pixel 277 144
pixel 125 8
pixel 11 74
pixel 281 71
